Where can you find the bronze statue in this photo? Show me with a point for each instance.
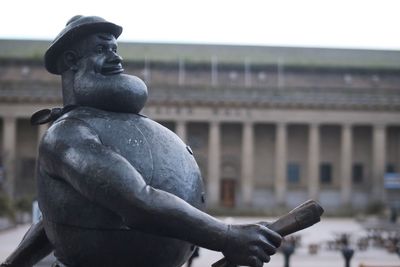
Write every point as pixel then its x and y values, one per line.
pixel 117 189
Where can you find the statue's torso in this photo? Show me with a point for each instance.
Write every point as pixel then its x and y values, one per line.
pixel 164 162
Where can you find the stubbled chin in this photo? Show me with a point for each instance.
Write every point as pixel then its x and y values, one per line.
pixel 118 92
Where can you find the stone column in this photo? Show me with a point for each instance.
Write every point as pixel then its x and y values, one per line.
pixel 181 130
pixel 378 161
pixel 214 71
pixel 9 153
pixel 346 162
pixel 247 162
pixel 214 158
pixel 313 161
pixel 280 163
pixel 181 72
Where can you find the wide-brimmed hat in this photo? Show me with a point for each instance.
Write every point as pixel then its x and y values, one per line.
pixel 77 28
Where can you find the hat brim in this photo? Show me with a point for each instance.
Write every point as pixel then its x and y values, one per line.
pixel 61 43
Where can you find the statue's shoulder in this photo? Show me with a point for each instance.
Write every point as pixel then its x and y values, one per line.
pixel 91 114
pixel 102 122
pixel 80 113
pixel 72 127
pixel 82 117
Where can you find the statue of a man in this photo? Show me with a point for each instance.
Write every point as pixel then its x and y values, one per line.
pixel 117 189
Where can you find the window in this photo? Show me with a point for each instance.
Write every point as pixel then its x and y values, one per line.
pixel 375 78
pixel 325 172
pixel 233 75
pixel 262 76
pixel 358 173
pixel 196 142
pixel 348 79
pixel 390 168
pixel 293 173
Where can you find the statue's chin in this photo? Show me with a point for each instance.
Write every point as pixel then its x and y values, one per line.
pixel 118 93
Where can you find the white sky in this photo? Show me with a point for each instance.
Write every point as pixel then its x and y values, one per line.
pixel 370 24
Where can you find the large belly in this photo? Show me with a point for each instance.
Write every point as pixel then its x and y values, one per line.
pixel 164 162
pixel 116 248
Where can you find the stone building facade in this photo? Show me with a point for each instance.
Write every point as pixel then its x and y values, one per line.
pixel 268 126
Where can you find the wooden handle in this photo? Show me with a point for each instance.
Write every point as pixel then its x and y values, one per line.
pixel 299 218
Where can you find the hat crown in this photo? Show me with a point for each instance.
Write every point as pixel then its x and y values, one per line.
pixel 79 21
pixel 82 20
pixel 74 18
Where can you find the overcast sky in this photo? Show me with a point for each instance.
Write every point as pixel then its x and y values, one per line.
pixel 368 24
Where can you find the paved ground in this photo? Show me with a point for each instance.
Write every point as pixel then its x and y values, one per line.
pixel 320 233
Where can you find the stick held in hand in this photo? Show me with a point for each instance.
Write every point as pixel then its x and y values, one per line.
pixel 301 217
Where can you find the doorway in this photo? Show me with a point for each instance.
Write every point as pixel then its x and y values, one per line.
pixel 228 186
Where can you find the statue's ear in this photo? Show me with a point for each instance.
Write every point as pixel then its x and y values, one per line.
pixel 70 59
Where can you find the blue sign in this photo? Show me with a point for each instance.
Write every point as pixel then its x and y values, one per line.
pixel 392 181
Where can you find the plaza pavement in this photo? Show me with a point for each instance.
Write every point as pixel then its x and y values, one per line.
pixel 319 234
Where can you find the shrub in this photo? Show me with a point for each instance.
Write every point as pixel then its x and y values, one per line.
pixel 6 206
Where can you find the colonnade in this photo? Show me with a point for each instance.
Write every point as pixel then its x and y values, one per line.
pixel 9 133
pixel 281 160
pixel 9 151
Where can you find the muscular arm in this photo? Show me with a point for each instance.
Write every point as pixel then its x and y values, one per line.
pixel 33 247
pixel 74 152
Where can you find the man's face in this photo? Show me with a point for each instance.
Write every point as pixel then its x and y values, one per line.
pixel 98 52
pixel 98 79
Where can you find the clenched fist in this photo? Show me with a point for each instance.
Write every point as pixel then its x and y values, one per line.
pixel 250 244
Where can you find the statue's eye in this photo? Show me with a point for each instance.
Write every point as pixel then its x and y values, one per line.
pixel 114 49
pixel 99 49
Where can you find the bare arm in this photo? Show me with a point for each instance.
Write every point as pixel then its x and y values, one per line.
pixel 73 151
pixel 33 247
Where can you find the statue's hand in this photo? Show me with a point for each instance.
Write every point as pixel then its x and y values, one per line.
pixel 250 244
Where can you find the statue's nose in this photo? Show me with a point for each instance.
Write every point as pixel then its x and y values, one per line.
pixel 114 58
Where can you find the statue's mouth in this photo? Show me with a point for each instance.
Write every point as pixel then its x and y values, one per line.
pixel 112 69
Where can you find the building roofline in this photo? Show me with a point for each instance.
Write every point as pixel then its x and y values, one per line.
pixel 226 54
